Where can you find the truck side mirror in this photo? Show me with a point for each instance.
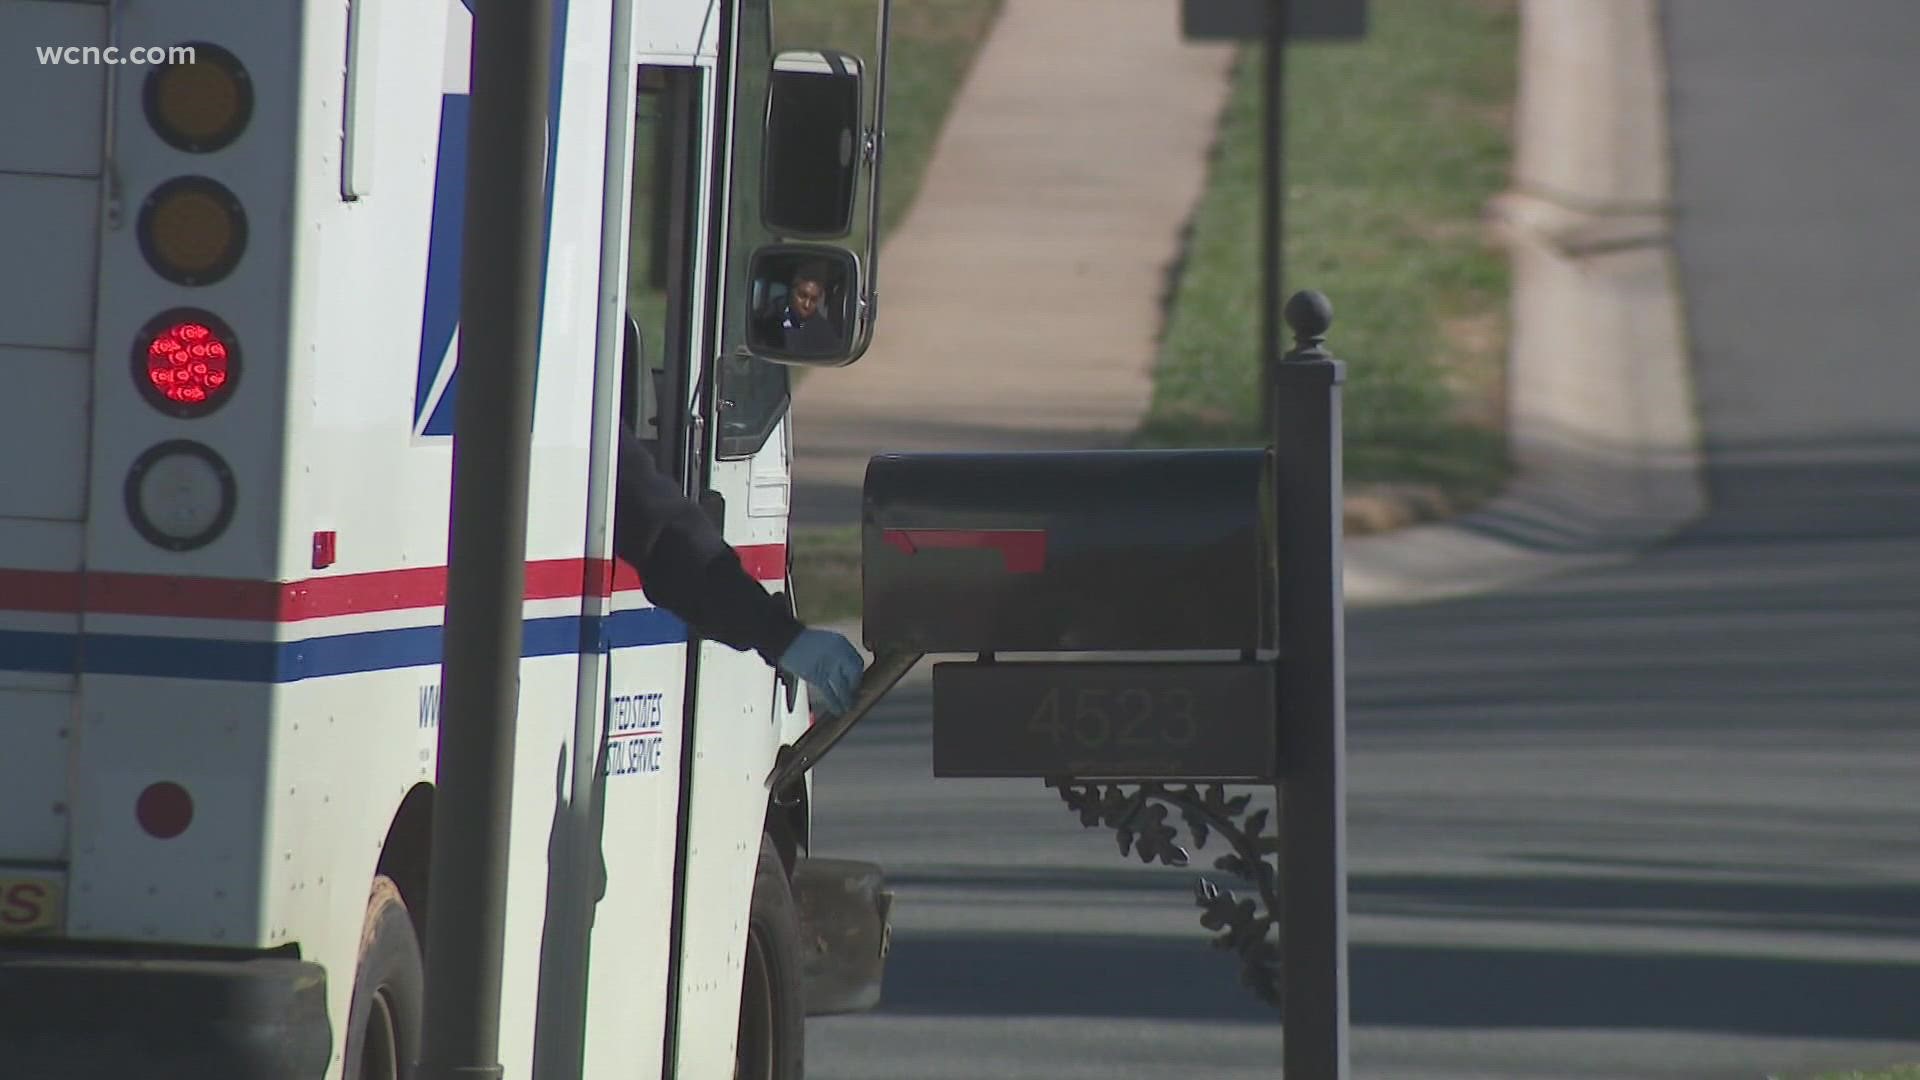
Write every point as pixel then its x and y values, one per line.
pixel 815 141
pixel 805 305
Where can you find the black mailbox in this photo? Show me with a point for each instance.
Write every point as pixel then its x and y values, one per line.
pixel 1080 551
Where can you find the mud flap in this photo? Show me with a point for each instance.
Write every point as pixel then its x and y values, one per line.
pixel 845 933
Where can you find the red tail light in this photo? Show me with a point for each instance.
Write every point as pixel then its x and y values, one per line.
pixel 186 362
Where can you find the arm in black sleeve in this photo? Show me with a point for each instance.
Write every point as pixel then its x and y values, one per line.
pixel 684 563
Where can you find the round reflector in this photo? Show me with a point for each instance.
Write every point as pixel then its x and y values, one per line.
pixel 192 230
pixel 180 495
pixel 202 105
pixel 186 362
pixel 164 810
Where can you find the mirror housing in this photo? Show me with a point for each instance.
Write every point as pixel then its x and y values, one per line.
pixel 804 305
pixel 815 144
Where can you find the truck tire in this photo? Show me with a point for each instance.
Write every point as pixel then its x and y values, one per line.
pixel 772 1039
pixel 389 985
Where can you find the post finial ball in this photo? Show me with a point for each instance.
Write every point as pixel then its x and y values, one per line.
pixel 1310 314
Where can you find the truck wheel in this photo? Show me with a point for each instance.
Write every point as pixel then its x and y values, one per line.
pixel 384 1021
pixel 771 1043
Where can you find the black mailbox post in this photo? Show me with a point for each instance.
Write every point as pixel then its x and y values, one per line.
pixel 1171 554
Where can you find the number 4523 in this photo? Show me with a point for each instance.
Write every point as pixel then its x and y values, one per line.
pixel 1116 719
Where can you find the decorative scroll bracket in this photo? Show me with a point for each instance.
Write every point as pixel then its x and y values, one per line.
pixel 1141 826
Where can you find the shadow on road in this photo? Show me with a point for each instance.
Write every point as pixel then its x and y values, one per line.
pixel 1431 986
pixel 1411 986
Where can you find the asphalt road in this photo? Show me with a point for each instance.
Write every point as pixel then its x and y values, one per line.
pixel 1660 820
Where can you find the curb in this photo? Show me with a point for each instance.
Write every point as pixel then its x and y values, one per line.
pixel 1601 418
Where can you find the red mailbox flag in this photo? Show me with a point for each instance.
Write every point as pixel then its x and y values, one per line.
pixel 1023 551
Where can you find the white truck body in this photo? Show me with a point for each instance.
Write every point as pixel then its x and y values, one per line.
pixel 283 673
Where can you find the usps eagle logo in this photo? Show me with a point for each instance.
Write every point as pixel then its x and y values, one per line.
pixel 436 379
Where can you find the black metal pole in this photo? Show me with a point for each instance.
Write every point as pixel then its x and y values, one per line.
pixel 1305 406
pixel 1273 193
pixel 486 572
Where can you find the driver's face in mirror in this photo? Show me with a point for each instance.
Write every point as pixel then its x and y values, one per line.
pixel 804 313
pixel 804 298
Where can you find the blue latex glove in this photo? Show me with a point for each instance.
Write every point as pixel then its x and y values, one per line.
pixel 829 664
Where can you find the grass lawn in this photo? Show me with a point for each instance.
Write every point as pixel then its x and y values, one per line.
pixel 933 44
pixel 826 572
pixel 1393 146
pixel 1905 1072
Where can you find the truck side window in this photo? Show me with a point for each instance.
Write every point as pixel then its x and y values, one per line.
pixel 753 394
pixel 657 351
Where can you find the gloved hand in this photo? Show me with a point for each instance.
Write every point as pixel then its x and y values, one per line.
pixel 830 665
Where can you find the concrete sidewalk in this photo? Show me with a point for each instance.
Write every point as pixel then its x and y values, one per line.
pixel 1019 301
